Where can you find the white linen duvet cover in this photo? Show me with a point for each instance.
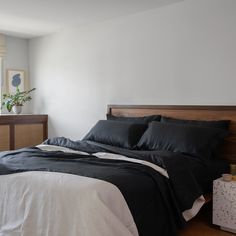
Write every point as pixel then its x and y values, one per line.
pixel 57 204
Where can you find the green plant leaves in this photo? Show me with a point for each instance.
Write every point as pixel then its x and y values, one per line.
pixel 17 99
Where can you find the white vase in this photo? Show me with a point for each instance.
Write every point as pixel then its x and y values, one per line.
pixel 17 109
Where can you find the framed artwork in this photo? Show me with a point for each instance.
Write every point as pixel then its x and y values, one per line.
pixel 15 78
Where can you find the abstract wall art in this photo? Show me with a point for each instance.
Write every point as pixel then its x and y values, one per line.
pixel 15 79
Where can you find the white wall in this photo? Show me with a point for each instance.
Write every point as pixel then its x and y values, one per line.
pixel 183 53
pixel 16 58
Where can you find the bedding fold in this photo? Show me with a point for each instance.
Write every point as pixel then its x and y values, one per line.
pixel 156 197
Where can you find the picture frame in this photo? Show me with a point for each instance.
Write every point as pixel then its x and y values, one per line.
pixel 15 78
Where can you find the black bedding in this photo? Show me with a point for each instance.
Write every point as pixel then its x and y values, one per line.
pixel 155 201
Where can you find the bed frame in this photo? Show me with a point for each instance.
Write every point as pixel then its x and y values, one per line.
pixel 228 151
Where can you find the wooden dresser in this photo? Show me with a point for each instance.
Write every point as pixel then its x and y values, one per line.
pixel 18 131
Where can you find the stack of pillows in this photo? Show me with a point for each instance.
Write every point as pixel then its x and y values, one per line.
pixel 191 137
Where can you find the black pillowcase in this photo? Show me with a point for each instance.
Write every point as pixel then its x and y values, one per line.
pixel 221 124
pixel 140 120
pixel 188 139
pixel 116 133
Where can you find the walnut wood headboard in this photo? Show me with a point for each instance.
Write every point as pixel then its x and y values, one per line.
pixel 187 112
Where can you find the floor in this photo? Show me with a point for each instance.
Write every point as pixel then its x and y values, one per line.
pixel 201 225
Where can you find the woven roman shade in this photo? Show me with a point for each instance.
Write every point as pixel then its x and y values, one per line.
pixel 2 45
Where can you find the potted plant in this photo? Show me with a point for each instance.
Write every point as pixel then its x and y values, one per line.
pixel 14 102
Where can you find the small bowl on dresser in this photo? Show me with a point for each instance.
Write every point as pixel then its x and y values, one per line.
pixel 227 177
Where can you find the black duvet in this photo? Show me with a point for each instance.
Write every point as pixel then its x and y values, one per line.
pixel 155 201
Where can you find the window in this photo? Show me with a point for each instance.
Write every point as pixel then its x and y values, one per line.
pixel 2 54
pixel 1 69
pixel 1 79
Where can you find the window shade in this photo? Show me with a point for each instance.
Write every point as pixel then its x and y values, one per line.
pixel 2 45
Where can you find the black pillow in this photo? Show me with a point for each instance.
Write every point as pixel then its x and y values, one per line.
pixel 188 139
pixel 221 124
pixel 121 134
pixel 140 120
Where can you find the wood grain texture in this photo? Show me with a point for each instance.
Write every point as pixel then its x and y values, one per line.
pixel 25 130
pixel 22 119
pixel 27 135
pixel 201 225
pixel 228 151
pixel 4 137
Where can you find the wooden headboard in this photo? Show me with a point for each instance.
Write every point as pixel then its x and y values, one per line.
pixel 187 112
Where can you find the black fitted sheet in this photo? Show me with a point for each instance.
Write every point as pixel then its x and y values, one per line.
pixel 209 171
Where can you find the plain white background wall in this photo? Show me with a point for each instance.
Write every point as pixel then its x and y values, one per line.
pixel 183 53
pixel 16 58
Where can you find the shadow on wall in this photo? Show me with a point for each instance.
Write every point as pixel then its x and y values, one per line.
pixel 51 128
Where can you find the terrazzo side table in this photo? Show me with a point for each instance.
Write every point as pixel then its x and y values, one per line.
pixel 224 204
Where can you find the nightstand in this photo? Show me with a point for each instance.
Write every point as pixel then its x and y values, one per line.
pixel 224 204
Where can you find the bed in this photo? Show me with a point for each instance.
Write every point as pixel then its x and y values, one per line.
pixel 66 187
